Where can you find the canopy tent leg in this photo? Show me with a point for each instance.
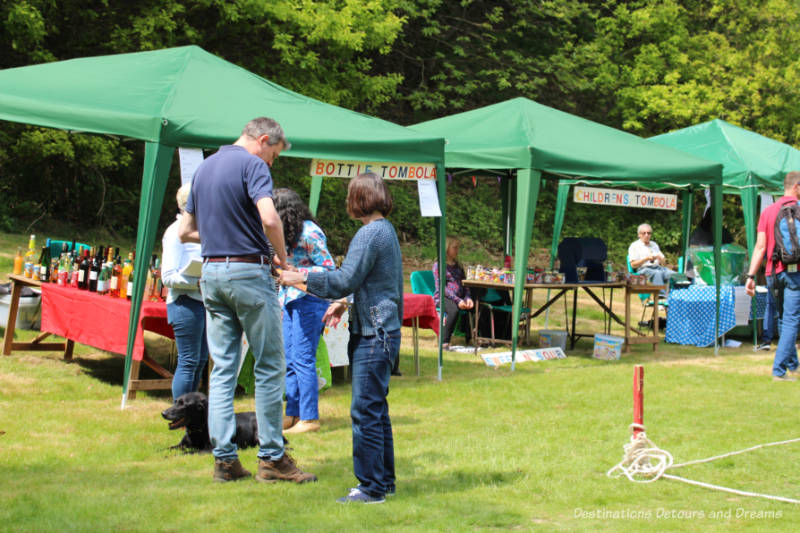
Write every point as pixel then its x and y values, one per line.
pixel 558 223
pixel 441 234
pixel 314 194
pixel 528 184
pixel 716 205
pixel 749 198
pixel 687 203
pixel 507 197
pixel 157 161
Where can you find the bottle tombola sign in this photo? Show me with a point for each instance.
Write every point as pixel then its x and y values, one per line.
pixel 329 168
pixel 617 197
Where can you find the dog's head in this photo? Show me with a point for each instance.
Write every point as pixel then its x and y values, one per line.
pixel 189 410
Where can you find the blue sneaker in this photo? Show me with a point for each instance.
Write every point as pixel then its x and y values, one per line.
pixel 358 496
pixel 391 491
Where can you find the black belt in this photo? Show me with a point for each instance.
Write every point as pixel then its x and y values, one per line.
pixel 261 259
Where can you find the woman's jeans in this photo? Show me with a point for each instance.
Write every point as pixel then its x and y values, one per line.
pixel 188 319
pixel 373 446
pixel 302 327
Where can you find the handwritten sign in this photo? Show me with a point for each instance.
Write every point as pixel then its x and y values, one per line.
pixel 617 197
pixel 190 159
pixel 428 198
pixel 329 168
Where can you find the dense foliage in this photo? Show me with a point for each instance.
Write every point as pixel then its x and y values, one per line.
pixel 646 66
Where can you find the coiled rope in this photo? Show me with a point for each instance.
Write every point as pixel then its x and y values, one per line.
pixel 644 462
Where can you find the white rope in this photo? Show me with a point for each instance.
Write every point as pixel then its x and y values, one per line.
pixel 644 462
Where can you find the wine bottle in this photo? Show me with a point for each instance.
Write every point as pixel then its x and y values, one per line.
pixel 130 283
pixel 126 273
pixel 83 270
pixel 115 275
pixel 95 268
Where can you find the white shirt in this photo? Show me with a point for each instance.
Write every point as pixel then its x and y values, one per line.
pixel 175 256
pixel 639 250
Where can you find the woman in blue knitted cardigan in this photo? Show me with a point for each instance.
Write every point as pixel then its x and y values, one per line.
pixel 372 272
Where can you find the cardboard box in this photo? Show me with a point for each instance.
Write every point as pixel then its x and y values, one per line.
pixel 607 347
pixel 29 312
pixel 553 338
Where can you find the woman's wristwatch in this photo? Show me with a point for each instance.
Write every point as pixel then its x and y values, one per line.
pixel 751 276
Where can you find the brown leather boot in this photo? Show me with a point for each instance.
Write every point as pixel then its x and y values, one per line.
pixel 230 470
pixel 289 421
pixel 284 469
pixel 303 426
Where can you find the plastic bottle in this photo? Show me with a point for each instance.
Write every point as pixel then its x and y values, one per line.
pixel 18 262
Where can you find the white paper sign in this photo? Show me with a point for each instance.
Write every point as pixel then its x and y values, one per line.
pixel 428 198
pixel 193 268
pixel 190 159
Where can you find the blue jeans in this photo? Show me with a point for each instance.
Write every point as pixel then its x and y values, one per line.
pixel 658 275
pixel 302 328
pixel 373 445
pixel 187 317
pixel 786 352
pixel 770 311
pixel 241 298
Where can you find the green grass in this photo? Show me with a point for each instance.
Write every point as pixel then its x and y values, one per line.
pixel 482 450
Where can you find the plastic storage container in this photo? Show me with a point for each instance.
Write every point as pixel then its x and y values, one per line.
pixel 29 312
pixel 607 347
pixel 552 338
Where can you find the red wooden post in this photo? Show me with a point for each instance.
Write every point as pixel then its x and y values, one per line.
pixel 638 398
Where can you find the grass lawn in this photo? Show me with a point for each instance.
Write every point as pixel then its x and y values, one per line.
pixel 483 449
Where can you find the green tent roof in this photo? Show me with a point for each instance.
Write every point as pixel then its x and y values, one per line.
pixel 520 133
pixel 748 159
pixel 188 97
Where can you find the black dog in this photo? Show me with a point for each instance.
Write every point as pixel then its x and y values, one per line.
pixel 191 411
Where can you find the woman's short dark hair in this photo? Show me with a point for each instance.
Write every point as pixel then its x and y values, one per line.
pixel 293 212
pixel 366 194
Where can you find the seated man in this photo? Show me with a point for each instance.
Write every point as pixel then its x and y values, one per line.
pixel 646 257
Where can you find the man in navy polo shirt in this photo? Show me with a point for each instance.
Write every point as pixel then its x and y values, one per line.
pixel 231 214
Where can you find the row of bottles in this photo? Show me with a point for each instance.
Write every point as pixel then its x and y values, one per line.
pixel 98 270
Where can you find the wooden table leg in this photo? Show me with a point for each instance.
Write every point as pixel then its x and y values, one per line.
pixel 655 321
pixel 627 347
pixel 415 335
pixel 68 348
pixel 11 325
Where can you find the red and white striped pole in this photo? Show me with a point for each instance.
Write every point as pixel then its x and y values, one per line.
pixel 638 399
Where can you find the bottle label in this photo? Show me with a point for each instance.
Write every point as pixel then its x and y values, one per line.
pixel 42 272
pixel 80 276
pixel 101 286
pixel 114 283
pixel 130 287
pixel 92 275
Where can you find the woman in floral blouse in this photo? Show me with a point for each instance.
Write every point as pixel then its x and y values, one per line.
pixel 302 313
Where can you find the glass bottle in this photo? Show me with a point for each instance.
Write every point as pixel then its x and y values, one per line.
pixel 83 270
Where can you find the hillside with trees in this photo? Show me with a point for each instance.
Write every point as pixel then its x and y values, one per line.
pixel 645 66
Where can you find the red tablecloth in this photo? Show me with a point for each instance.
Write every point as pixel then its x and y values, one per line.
pixel 99 320
pixel 423 307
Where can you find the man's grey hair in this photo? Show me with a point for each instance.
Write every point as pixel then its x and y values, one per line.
pixel 643 226
pixel 267 126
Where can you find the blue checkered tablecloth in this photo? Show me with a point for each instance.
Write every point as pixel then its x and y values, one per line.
pixel 691 314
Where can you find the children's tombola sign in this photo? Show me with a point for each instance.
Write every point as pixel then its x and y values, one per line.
pixel 328 168
pixel 617 197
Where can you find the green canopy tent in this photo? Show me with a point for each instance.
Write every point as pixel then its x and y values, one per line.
pixel 536 140
pixel 751 163
pixel 188 97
